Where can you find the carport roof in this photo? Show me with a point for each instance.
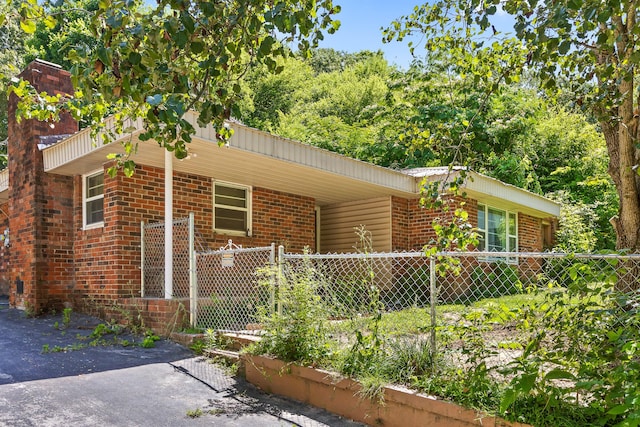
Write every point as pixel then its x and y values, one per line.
pixel 251 157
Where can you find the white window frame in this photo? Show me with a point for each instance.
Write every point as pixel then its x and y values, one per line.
pixel 483 231
pixel 247 209
pixel 85 200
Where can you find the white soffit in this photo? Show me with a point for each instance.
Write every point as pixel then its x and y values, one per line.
pixel 251 157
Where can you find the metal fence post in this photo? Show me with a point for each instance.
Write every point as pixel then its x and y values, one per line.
pixel 142 256
pixel 193 278
pixel 434 300
pixel 280 276
pixel 272 278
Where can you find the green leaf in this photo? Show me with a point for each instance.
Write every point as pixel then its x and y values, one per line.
pixel 135 58
pixel 508 399
pixel 557 374
pixel 50 22
pixel 197 47
pixel 564 47
pixel 28 26
pixel 618 410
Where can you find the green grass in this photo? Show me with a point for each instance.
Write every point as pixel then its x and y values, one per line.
pixel 411 321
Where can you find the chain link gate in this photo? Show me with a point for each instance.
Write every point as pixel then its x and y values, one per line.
pixel 228 292
pixel 153 258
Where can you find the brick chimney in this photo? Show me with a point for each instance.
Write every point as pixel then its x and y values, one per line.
pixel 40 204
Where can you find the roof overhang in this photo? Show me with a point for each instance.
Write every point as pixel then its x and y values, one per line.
pixel 260 159
pixel 493 192
pixel 251 157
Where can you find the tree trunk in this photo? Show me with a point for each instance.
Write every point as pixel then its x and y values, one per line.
pixel 621 137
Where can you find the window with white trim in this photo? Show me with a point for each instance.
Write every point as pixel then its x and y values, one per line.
pixel 498 230
pixel 231 208
pixel 93 199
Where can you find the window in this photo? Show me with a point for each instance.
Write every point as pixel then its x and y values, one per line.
pixel 93 199
pixel 232 208
pixel 498 230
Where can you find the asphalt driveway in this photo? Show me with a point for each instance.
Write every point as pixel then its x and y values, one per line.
pixel 56 377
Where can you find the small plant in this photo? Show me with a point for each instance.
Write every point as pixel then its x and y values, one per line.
pixel 297 331
pixel 45 349
pixel 194 413
pixel 149 340
pixel 198 347
pixel 365 356
pixel 101 330
pixel 66 317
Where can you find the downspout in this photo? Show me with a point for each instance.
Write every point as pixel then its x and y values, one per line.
pixel 168 224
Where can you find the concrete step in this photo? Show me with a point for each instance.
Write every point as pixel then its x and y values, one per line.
pixel 228 355
pixel 237 340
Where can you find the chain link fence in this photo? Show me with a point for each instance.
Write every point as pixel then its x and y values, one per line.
pixel 222 285
pixel 153 258
pixel 229 294
pixel 454 301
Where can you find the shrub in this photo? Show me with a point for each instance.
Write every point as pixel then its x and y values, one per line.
pixel 492 280
pixel 296 331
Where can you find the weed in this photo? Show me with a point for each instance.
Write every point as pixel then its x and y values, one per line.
pixel 297 331
pixel 149 340
pixel 372 388
pixel 100 330
pixel 66 317
pixel 194 413
pixel 198 347
pixel 45 348
pixel 408 359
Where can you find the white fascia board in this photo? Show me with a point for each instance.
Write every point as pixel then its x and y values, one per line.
pixel 81 144
pixel 265 144
pixel 494 189
pixel 494 192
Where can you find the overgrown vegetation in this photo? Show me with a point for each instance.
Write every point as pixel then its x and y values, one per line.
pixel 296 330
pixel 103 334
pixel 561 353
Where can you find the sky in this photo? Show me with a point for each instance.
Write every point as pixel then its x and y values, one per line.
pixel 361 21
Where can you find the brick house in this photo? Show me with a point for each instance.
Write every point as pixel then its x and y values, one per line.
pixel 75 232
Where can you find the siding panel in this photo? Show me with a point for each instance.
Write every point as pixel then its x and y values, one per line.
pixel 338 223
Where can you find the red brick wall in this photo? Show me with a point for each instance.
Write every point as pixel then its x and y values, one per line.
pixel 400 223
pixel 108 259
pixel 421 231
pixel 529 233
pixel 38 203
pixel 4 251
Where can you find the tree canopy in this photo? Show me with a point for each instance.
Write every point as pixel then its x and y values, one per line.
pixel 586 50
pixel 158 63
